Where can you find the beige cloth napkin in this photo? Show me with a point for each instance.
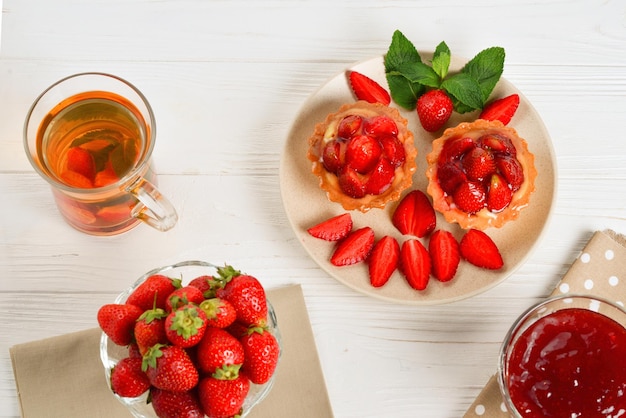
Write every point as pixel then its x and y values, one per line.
pixel 599 271
pixel 63 376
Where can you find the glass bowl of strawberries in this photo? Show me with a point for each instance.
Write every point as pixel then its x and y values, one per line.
pixel 191 340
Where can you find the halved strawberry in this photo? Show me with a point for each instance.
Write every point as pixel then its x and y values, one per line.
pixel 350 182
pixel 383 260
pixel 415 264
pixel 332 229
pixel 363 153
pixel 511 170
pixel 415 215
pixel 450 176
pixel 393 150
pixel 479 249
pixel 379 126
pixel 497 143
pixel 455 148
pixel 501 109
pixel 333 155
pixel 349 125
pixel 499 194
pixel 380 178
pixel 367 89
pixel 479 164
pixel 444 255
pixel 470 196
pixel 355 248
pixel 81 161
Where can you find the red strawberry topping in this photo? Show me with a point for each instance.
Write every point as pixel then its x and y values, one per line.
pixel 479 164
pixel 363 153
pixel 470 196
pixel 499 195
pixel 367 89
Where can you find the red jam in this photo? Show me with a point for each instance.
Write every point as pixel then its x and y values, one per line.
pixel 571 363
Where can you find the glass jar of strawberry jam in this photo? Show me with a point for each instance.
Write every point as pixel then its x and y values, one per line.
pixel 566 357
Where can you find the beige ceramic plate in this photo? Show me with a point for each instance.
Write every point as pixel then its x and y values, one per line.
pixel 306 204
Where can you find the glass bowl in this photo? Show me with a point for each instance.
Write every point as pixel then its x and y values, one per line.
pixel 111 353
pixel 566 354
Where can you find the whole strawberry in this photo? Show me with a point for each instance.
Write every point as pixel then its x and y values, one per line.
pixel 127 378
pixel 118 321
pixel 220 313
pixel 434 109
pixel 218 349
pixel 153 292
pixel 175 404
pixel 170 368
pixel 223 398
pixel 246 294
pixel 150 329
pixel 261 352
pixel 183 296
pixel 185 326
pixel 207 284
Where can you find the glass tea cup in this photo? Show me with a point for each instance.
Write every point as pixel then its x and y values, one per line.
pixel 91 137
pixel 565 357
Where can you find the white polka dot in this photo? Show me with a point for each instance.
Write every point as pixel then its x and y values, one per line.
pixel 594 305
pixel 503 407
pixel 609 254
pixel 613 280
pixel 588 284
pixel 564 287
pixel 479 410
pixel 585 257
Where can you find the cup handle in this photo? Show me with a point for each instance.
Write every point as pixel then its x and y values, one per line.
pixel 154 208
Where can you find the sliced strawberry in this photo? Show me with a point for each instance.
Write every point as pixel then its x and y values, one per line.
pixel 380 178
pixel 332 229
pixel 354 248
pixel 415 264
pixel 450 175
pixel 415 215
pixel 363 153
pixel 393 150
pixel 511 170
pixel 349 126
pixel 479 249
pixel 383 260
pixel 333 155
pixel 455 148
pixel 444 255
pixel 81 161
pixel 74 179
pixel 350 182
pixel 367 89
pixel 497 143
pixel 499 194
pixel 470 196
pixel 379 126
pixel 502 109
pixel 479 164
pixel 434 108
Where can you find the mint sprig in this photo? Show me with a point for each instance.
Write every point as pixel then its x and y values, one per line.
pixel 408 76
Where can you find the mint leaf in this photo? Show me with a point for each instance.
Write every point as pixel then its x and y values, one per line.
pixel 441 60
pixel 401 51
pixel 466 90
pixel 486 68
pixel 420 73
pixel 403 92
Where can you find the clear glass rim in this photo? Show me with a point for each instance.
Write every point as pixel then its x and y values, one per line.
pixel 521 320
pixel 130 176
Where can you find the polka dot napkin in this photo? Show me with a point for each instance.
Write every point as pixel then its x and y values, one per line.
pixel 599 270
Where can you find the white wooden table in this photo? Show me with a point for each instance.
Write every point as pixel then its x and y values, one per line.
pixel 226 79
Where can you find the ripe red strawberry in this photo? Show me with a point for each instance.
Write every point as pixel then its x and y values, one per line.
pixel 175 404
pixel 480 250
pixel 333 155
pixel 351 182
pixel 219 350
pixel 380 178
pixel 365 88
pixel 153 292
pixel 207 285
pixel 183 296
pixel 393 150
pixel 380 126
pixel 332 229
pixel 81 161
pixel 223 398
pixel 415 264
pixel 383 260
pixel 415 215
pixel 470 196
pixel 454 148
pixel 501 109
pixel 499 195
pixel 497 143
pixel 363 153
pixel 150 329
pixel 118 321
pixel 434 108
pixel 127 378
pixel 186 326
pixel 261 353
pixel 220 313
pixel 169 367
pixel 511 170
pixel 354 248
pixel 245 293
pixel 450 175
pixel 349 126
pixel 444 255
pixel 479 164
